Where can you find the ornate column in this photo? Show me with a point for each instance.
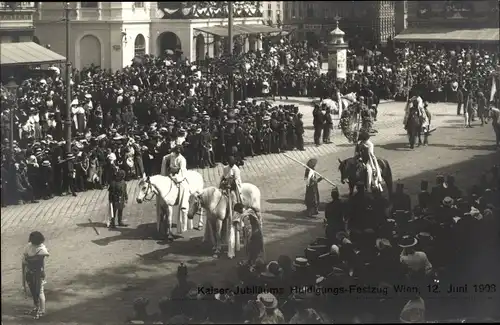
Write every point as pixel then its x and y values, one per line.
pixel 337 53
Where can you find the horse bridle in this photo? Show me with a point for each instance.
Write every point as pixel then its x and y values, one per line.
pixel 150 188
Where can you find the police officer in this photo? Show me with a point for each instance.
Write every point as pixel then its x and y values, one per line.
pixel 118 197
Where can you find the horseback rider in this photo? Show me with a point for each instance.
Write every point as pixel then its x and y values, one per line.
pixel 365 153
pixel 231 178
pixel 174 165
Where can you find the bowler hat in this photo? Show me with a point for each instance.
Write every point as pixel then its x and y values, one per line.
pixel 407 241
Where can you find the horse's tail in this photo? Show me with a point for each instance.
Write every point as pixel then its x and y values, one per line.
pixel 388 179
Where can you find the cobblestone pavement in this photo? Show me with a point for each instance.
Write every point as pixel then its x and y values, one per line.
pixel 93 278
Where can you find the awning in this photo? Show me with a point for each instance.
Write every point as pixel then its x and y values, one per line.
pixel 26 53
pixel 449 35
pixel 239 30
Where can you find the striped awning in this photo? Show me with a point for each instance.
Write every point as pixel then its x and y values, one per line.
pixel 26 53
pixel 449 35
pixel 222 31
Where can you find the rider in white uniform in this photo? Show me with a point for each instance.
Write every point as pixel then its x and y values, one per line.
pixel 176 165
pixel 365 152
pixel 230 173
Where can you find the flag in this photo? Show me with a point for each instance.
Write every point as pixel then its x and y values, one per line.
pixel 493 88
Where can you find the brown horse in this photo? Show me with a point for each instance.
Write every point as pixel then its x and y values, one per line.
pixel 353 171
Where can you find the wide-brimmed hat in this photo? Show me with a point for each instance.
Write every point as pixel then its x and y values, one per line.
pixel 448 201
pixel 407 242
pixel 268 300
pixel 300 262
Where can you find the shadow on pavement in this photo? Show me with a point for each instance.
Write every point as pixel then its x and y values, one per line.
pixel 193 247
pixel 396 146
pixel 142 232
pixel 109 309
pixel 285 201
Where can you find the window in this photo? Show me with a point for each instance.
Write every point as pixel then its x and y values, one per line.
pixel 310 11
pixel 89 4
pixel 140 45
pixel 139 4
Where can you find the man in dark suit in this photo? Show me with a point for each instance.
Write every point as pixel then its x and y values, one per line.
pixel 424 197
pixel 118 197
pixel 334 215
pixel 299 131
pixel 401 201
pixel 438 192
pixel 453 191
pixel 318 122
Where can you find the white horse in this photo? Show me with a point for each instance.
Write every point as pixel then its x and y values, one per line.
pixel 171 200
pixel 215 203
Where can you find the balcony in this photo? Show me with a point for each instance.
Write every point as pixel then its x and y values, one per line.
pixel 17 6
pixel 15 16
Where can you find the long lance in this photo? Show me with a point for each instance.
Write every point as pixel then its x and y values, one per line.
pixel 304 165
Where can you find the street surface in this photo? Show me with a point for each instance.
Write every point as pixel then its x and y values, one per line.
pixel 93 277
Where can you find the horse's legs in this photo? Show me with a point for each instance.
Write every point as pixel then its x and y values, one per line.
pixel 218 236
pixel 167 221
pixel 202 216
pixel 231 242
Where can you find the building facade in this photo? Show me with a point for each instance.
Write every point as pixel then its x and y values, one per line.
pixel 272 12
pixel 16 21
pixel 111 34
pixel 369 20
pixel 453 14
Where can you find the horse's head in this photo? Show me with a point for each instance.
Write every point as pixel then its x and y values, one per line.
pixel 145 189
pixel 346 168
pixel 194 204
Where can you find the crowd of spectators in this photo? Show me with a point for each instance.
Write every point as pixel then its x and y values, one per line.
pixel 380 261
pixel 131 118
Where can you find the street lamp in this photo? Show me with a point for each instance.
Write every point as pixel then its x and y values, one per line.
pixel 230 87
pixel 67 120
pixel 12 87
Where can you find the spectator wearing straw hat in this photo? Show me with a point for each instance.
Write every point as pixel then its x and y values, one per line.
pixel 273 315
pixel 69 180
